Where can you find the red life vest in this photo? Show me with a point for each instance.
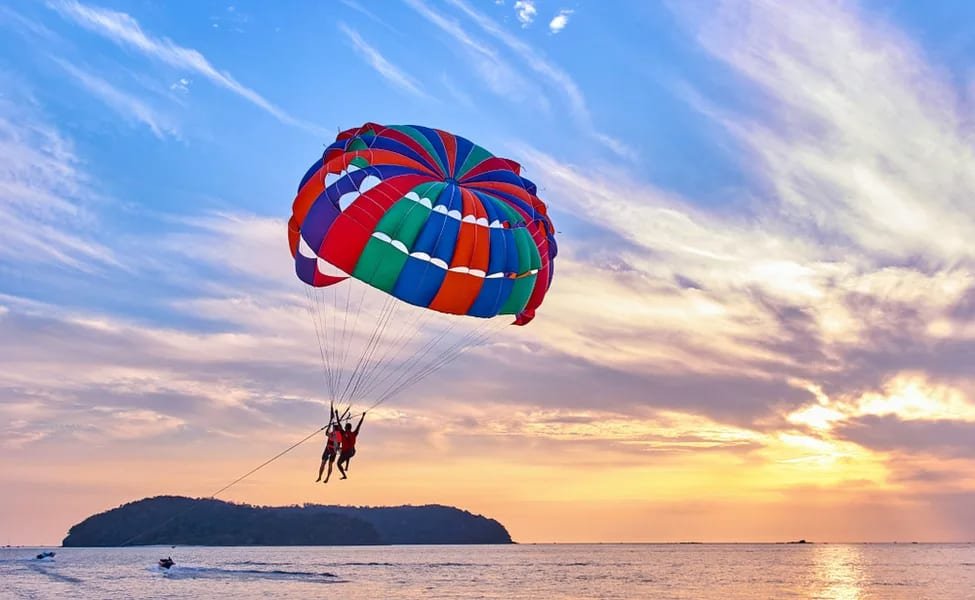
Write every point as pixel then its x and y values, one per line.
pixel 333 439
pixel 348 440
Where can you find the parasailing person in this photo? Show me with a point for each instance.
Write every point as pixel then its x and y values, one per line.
pixel 348 445
pixel 333 441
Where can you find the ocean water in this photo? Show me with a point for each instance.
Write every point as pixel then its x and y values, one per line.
pixel 545 571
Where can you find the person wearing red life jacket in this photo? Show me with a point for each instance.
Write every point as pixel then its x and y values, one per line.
pixel 348 446
pixel 333 442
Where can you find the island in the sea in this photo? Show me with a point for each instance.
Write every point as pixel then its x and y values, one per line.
pixel 178 520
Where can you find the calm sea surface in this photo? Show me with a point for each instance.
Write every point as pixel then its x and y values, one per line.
pixel 724 571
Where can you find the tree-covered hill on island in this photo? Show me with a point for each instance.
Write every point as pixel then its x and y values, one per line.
pixel 208 522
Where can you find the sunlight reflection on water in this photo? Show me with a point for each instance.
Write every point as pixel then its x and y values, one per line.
pixel 840 570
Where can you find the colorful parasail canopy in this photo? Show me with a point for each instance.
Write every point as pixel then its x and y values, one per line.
pixel 427 217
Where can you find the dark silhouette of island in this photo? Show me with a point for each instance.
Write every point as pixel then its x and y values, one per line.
pixel 177 520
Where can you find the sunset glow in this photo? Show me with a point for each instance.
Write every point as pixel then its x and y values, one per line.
pixel 761 326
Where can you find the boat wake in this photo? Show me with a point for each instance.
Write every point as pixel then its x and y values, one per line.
pixel 194 572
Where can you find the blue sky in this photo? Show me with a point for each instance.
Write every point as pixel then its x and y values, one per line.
pixel 231 102
pixel 765 225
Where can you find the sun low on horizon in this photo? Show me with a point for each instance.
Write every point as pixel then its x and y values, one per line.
pixel 724 289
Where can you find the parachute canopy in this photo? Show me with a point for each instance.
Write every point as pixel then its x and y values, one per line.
pixel 426 217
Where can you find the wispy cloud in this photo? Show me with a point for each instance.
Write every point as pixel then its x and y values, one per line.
pixel 181 86
pixel 230 19
pixel 380 64
pixel 368 13
pixel 43 192
pixel 560 20
pixel 845 278
pixel 861 138
pixel 495 72
pixel 555 75
pixel 525 11
pixel 22 24
pixel 454 29
pixel 458 94
pixel 126 105
pixel 124 30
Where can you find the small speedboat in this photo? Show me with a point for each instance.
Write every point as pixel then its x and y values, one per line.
pixel 44 555
pixel 167 562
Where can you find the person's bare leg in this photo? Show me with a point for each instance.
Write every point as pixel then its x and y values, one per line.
pixel 320 470
pixel 341 470
pixel 329 474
